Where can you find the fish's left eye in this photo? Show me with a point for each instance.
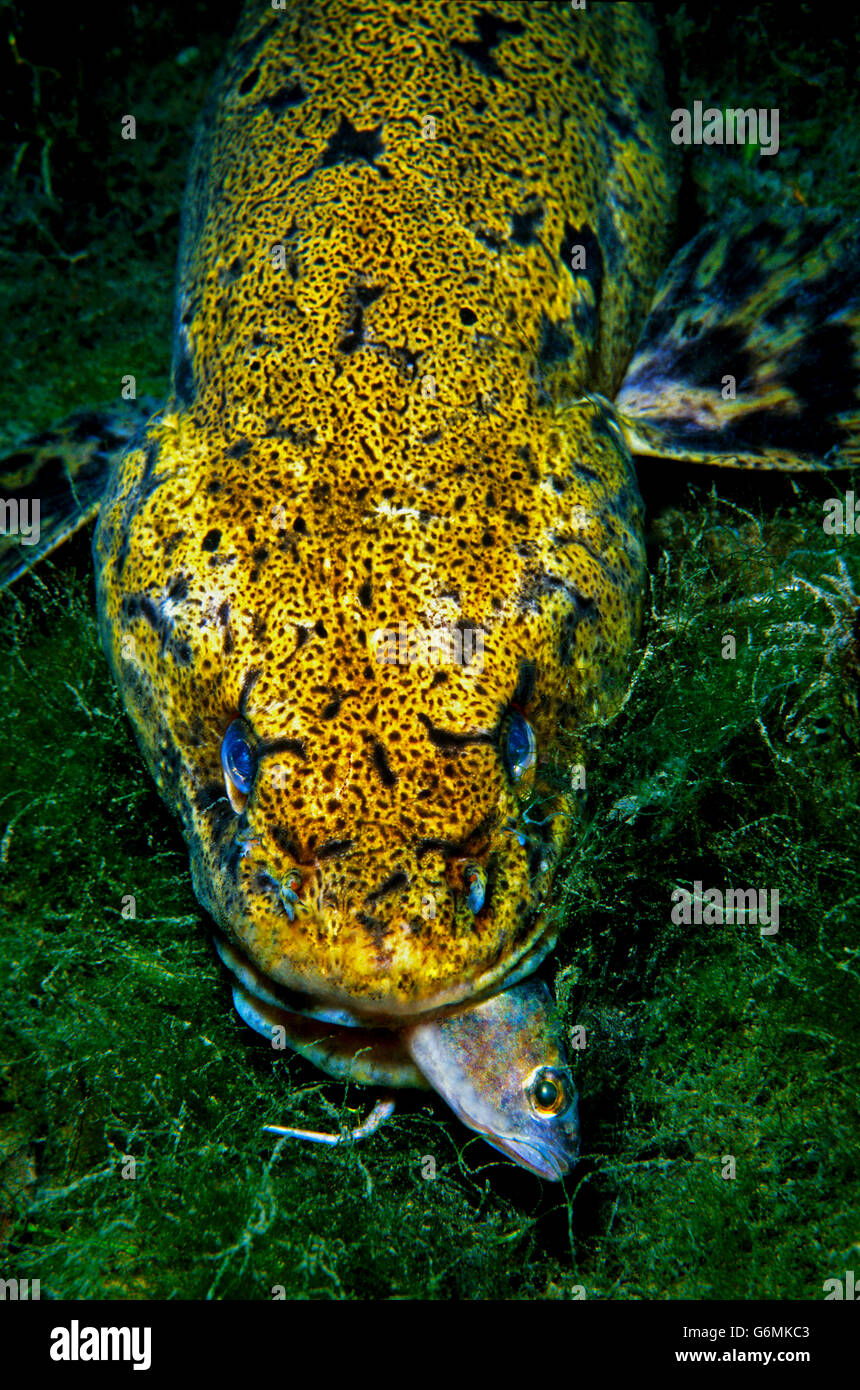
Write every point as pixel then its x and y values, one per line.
pixel 548 1092
pixel 239 764
pixel 520 746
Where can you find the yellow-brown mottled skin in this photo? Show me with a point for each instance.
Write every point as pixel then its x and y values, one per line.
pixel 382 411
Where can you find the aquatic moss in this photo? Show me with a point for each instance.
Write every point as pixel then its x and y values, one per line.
pixel 717 1041
pixel 117 1036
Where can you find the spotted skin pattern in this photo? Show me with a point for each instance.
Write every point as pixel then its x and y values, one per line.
pixel 418 247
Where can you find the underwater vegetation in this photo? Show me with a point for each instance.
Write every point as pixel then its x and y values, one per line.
pixel 708 1041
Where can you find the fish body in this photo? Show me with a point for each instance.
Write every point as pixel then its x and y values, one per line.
pixel 379 559
pixel 382 413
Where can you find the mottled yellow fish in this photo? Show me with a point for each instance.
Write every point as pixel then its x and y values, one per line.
pixel 379 558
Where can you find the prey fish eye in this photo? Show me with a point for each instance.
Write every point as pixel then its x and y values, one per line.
pixel 520 747
pixel 548 1092
pixel 239 763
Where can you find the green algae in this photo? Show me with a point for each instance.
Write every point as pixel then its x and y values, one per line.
pixel 118 1039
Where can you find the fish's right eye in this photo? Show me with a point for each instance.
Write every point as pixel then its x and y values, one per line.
pixel 548 1092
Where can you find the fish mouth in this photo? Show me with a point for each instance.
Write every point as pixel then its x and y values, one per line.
pixel 309 930
pixel 542 1163
pixel 265 990
pixel 551 1155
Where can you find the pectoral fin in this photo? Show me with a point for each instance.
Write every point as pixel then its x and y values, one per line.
pixel 750 356
pixel 52 483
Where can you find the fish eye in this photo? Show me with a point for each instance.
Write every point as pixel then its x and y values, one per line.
pixel 548 1092
pixel 520 746
pixel 239 763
